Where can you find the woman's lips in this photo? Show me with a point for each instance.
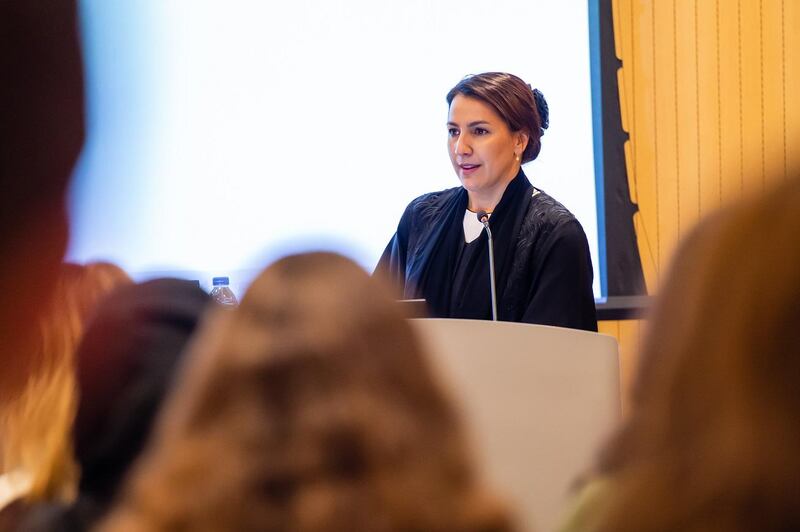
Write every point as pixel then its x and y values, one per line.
pixel 467 169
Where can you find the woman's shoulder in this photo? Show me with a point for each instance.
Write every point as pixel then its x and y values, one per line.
pixel 435 197
pixel 431 203
pixel 548 213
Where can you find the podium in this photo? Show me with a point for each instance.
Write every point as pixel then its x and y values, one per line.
pixel 537 401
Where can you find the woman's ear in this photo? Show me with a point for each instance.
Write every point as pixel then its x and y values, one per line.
pixel 521 141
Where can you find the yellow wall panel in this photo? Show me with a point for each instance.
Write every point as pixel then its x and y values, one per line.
pixel 773 113
pixel 628 334
pixel 792 66
pixel 628 52
pixel 610 328
pixel 633 56
pixel 752 104
pixel 686 114
pixel 646 250
pixel 708 112
pixel 705 91
pixel 625 111
pixel 629 337
pixel 663 99
pixel 643 137
pixel 730 101
pixel 708 96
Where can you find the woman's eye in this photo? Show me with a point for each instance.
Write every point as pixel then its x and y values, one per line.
pixel 453 132
pixel 481 131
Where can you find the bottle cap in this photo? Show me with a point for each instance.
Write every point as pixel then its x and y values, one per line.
pixel 220 281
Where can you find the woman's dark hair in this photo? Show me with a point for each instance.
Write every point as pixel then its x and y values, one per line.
pixel 521 108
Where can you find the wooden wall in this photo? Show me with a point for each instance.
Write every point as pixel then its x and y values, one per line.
pixel 710 96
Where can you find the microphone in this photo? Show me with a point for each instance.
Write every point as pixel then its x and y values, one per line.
pixel 483 217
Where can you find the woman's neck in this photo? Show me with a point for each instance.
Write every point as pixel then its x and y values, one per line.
pixel 483 203
pixel 487 200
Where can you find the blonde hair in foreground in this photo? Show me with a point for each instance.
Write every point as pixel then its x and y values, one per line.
pixel 37 424
pixel 713 439
pixel 308 408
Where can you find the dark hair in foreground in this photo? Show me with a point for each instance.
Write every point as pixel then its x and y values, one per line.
pixel 41 134
pixel 521 108
pixel 309 408
pixel 713 436
pixel 126 363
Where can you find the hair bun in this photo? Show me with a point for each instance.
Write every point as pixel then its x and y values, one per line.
pixel 541 106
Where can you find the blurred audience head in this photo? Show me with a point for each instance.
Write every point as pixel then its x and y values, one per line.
pixel 125 365
pixel 309 408
pixel 41 134
pixel 712 437
pixel 37 422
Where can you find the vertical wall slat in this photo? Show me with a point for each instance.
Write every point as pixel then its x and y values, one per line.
pixel 707 114
pixel 664 127
pixel 685 115
pixel 628 348
pixel 612 328
pixel 791 32
pixel 643 141
pixel 773 118
pixel 752 102
pixel 729 96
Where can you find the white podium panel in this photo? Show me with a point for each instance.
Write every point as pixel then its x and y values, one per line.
pixel 538 402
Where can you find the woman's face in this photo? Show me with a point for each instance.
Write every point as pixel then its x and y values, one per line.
pixel 482 148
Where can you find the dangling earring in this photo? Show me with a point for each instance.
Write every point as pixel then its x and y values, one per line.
pixel 516 156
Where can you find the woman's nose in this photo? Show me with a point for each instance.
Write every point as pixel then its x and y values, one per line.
pixel 461 146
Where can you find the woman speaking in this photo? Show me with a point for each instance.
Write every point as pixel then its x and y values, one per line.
pixel 543 268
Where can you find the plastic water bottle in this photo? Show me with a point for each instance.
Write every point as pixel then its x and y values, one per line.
pixel 222 293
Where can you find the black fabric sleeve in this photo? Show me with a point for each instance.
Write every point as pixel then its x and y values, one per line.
pixel 562 295
pixel 392 264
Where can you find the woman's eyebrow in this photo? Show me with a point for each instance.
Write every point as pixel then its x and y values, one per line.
pixel 471 124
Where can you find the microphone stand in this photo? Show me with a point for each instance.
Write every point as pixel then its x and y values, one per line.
pixel 484 219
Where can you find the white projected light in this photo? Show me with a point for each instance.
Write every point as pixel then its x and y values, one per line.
pixel 225 134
